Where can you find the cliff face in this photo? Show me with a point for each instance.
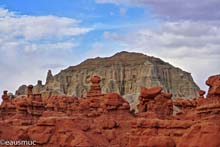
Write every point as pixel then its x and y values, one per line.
pixel 123 73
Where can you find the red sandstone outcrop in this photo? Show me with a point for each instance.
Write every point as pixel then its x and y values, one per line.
pixel 95 90
pixel 214 83
pixel 105 120
pixel 154 101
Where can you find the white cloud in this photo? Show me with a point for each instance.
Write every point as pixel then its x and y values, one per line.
pixel 65 45
pixel 28 44
pixel 38 27
pixel 193 46
pixel 188 36
pixel 5 13
pixel 28 32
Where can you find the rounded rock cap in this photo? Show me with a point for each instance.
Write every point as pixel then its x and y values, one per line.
pixel 95 79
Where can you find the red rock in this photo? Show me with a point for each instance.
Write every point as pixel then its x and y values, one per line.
pixel 167 95
pixel 104 120
pixel 95 90
pixel 95 79
pixel 109 123
pixel 150 93
pixel 7 107
pixel 30 90
pixel 81 141
pixel 154 101
pixel 214 83
pixel 5 96
pixel 40 134
pixel 110 135
pixel 114 101
pixel 203 134
pixel 201 93
pixel 46 122
pixel 157 141
pixel 185 105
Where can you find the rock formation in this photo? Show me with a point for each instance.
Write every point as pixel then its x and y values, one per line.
pixel 95 90
pixel 124 73
pixel 213 82
pixel 154 101
pixel 105 120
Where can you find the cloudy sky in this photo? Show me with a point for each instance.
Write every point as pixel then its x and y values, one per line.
pixel 37 35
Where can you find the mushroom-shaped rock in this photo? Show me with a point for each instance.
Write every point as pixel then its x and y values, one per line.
pixel 213 80
pixel 95 89
pixel 214 85
pixel 151 92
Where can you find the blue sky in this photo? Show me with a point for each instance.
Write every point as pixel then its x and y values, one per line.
pixel 51 34
pixel 98 17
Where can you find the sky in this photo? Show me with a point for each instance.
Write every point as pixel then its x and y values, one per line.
pixel 37 35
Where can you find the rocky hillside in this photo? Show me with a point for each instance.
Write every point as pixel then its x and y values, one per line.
pixel 124 73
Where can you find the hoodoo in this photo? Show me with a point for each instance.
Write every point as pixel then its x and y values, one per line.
pixel 123 73
pixel 105 120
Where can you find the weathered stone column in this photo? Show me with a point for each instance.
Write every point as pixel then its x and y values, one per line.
pixel 95 90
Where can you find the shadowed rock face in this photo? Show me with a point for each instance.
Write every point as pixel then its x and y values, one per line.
pixel 124 73
pixel 105 120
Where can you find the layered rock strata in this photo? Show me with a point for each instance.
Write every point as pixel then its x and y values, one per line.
pixel 105 120
pixel 124 73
